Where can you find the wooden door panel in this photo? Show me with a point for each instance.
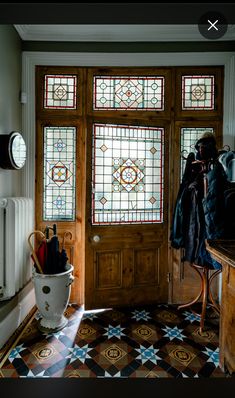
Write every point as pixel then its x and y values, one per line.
pixel 108 269
pixel 128 273
pixel 146 267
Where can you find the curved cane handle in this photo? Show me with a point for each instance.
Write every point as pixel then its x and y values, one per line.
pixel 64 236
pixel 33 251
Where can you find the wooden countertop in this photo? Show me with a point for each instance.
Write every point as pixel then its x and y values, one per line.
pixel 223 250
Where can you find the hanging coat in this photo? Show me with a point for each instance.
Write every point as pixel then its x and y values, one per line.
pixel 197 218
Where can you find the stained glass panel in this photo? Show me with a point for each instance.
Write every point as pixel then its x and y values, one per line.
pixel 189 137
pixel 59 173
pixel 132 92
pixel 60 91
pixel 198 92
pixel 127 174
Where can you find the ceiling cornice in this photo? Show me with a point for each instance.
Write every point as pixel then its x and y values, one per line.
pixel 115 33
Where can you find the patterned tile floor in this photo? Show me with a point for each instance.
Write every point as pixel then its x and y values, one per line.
pixel 156 341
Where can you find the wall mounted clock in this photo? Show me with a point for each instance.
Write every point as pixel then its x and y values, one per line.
pixel 12 151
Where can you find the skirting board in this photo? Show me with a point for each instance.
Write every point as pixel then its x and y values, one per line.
pixel 13 319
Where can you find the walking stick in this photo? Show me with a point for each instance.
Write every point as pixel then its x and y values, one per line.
pixel 33 251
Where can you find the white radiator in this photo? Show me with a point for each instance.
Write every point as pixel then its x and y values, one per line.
pixel 16 223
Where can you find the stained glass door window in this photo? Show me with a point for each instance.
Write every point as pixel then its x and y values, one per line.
pixel 128 92
pixel 189 137
pixel 127 174
pixel 59 173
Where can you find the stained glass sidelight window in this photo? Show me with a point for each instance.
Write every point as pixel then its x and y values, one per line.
pixel 127 174
pixel 189 137
pixel 60 91
pixel 59 173
pixel 198 92
pixel 132 92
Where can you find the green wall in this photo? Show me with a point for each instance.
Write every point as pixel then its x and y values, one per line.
pixel 128 47
pixel 10 106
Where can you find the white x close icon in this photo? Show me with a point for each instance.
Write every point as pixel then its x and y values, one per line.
pixel 212 25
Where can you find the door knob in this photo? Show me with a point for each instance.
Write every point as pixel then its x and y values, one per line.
pixel 96 238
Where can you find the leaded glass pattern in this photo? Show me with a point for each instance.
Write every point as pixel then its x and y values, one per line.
pixel 60 91
pixel 189 137
pixel 127 175
pixel 59 173
pixel 198 92
pixel 129 92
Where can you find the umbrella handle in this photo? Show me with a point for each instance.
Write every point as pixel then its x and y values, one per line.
pixel 46 231
pixel 64 236
pixel 33 251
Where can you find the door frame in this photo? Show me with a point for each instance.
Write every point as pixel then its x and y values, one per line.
pixel 31 59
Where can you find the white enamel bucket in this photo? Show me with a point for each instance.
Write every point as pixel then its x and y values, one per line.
pixel 52 292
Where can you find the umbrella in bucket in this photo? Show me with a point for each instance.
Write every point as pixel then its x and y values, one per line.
pixel 52 259
pixel 56 259
pixel 63 251
pixel 48 257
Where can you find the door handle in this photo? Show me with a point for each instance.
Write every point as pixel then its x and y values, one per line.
pixel 96 238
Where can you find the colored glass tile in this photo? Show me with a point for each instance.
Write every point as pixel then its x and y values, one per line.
pixel 198 92
pixel 128 176
pixel 129 92
pixel 59 173
pixel 60 91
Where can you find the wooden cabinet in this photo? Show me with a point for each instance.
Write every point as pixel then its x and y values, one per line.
pixel 224 252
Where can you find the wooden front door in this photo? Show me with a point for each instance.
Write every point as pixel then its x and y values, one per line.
pixel 126 221
pixel 108 156
pixel 126 251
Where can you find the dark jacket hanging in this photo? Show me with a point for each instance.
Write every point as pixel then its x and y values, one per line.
pixel 197 216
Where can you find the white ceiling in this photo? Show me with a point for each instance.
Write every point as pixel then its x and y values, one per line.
pixel 115 33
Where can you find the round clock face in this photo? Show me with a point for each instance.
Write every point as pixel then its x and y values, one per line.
pixel 18 150
pixel 12 151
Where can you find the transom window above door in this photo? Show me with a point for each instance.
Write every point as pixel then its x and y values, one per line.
pixel 60 91
pixel 128 92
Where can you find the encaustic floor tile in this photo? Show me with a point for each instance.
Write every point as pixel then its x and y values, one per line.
pixel 146 342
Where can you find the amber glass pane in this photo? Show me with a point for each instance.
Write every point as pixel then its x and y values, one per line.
pixel 127 174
